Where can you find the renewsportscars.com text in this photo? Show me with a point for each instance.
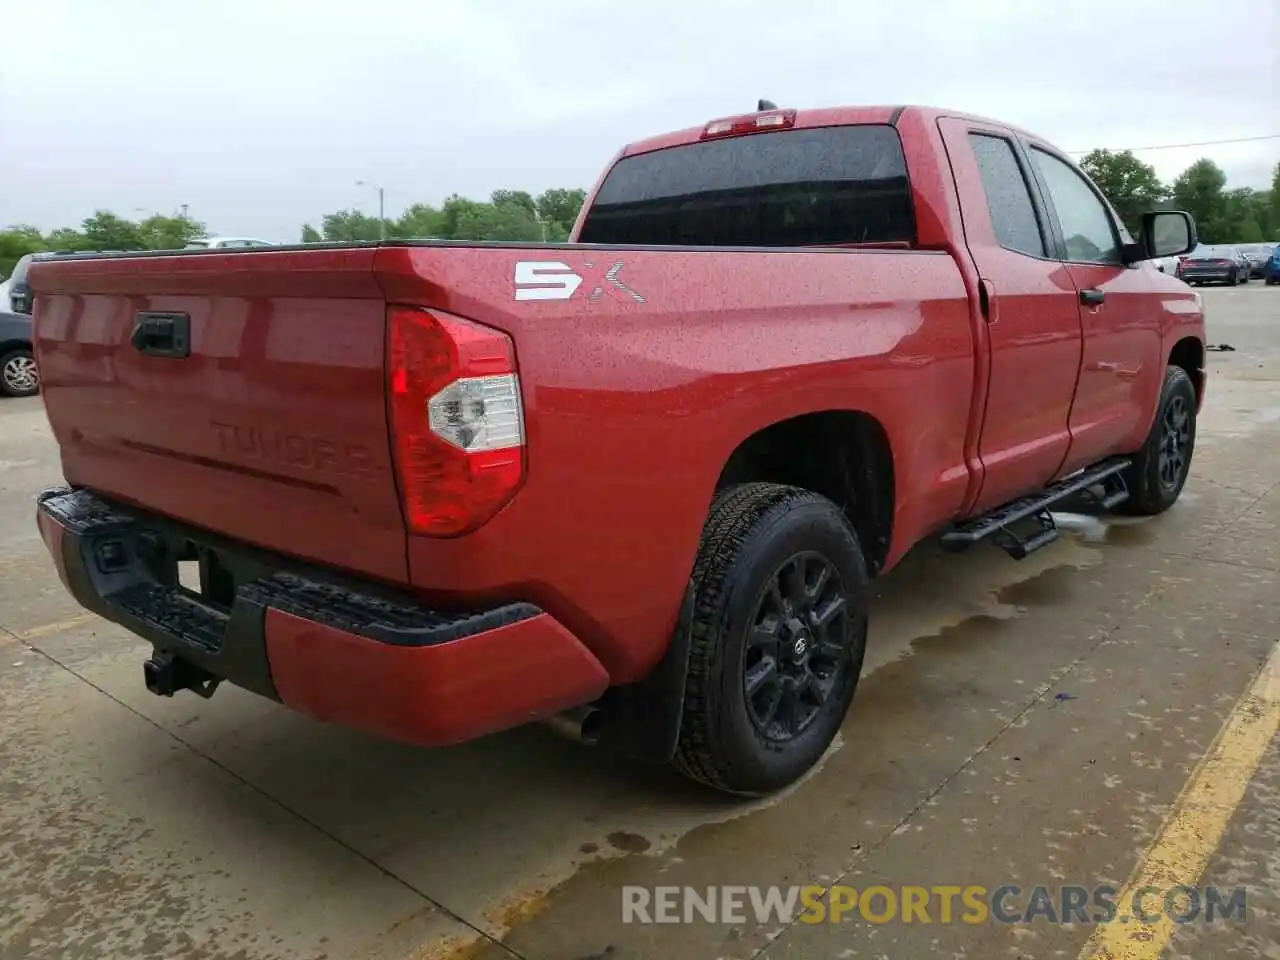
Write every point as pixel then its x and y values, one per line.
pixel 939 904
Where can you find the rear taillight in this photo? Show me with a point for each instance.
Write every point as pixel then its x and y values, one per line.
pixel 457 423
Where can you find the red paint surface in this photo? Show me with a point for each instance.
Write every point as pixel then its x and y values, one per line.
pixel 434 695
pixel 632 409
pixel 273 431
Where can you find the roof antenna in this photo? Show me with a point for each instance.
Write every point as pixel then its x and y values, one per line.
pixel 766 105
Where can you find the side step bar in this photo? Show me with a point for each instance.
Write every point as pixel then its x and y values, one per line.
pixel 1033 511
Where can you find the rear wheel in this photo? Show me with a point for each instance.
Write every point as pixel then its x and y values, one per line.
pixel 1160 469
pixel 18 376
pixel 777 638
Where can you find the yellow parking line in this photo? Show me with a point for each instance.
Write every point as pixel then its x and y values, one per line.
pixel 1194 827
pixel 47 628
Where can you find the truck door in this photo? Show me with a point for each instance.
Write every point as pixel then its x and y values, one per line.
pixel 1123 362
pixel 1032 312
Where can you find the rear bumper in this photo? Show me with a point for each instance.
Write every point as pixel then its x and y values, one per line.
pixel 347 653
pixel 1207 273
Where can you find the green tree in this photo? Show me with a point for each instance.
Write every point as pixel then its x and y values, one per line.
pixel 68 238
pixel 1131 185
pixel 560 206
pixel 105 231
pixel 489 221
pixel 348 225
pixel 518 197
pixel 455 210
pixel 420 222
pixel 514 215
pixel 159 232
pixel 1199 191
pixel 15 243
pixel 1240 219
pixel 1273 211
pixel 555 231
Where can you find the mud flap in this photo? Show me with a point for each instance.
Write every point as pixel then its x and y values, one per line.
pixel 642 720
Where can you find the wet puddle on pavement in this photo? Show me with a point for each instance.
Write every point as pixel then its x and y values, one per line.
pixel 929 616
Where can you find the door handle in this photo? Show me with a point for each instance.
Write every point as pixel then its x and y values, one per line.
pixel 1092 298
pixel 162 334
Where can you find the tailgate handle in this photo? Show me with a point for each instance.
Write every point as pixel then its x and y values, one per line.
pixel 162 334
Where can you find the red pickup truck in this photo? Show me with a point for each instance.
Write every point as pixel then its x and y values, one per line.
pixel 636 482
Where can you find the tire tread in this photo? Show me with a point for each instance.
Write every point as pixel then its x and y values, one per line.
pixel 735 513
pixel 1144 496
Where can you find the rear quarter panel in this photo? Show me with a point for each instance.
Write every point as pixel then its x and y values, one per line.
pixel 633 408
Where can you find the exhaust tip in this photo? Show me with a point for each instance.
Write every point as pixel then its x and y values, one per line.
pixel 582 724
pixel 592 727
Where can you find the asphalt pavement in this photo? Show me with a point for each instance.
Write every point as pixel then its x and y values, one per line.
pixel 1095 721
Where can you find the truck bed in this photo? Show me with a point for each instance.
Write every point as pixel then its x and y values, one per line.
pixel 274 430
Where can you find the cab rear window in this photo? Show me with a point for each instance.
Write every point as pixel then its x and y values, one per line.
pixel 793 188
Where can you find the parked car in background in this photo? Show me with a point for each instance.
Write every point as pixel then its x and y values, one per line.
pixel 1246 263
pixel 1167 265
pixel 1258 254
pixel 1215 263
pixel 18 376
pixel 1271 272
pixel 19 299
pixel 219 243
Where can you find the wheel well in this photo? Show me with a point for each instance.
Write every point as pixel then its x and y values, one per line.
pixel 842 454
pixel 1188 353
pixel 14 345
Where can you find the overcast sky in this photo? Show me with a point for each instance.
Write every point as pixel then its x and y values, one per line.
pixel 262 114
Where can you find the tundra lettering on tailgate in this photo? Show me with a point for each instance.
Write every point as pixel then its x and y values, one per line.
pixel 294 450
pixel 555 280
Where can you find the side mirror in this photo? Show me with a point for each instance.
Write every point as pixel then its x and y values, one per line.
pixel 1165 233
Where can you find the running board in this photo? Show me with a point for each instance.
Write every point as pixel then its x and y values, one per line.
pixel 1033 511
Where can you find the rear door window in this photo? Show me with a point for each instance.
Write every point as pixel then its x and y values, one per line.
pixel 1013 216
pixel 828 185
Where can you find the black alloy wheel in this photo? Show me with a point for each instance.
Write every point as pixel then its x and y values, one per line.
pixel 797 650
pixel 1174 443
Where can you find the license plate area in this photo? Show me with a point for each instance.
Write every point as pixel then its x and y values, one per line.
pixel 199 573
pixel 160 574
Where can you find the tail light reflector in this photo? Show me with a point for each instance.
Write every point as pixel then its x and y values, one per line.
pixel 457 423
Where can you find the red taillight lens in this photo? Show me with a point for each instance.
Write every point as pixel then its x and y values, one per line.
pixel 457 423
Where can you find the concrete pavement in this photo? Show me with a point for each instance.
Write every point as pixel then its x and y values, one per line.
pixel 1019 724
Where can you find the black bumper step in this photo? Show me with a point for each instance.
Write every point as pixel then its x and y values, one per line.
pixel 1007 524
pixel 122 564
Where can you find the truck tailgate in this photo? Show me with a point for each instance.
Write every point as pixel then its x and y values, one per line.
pixel 268 424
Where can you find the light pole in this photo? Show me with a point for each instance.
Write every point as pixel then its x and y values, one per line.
pixel 382 220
